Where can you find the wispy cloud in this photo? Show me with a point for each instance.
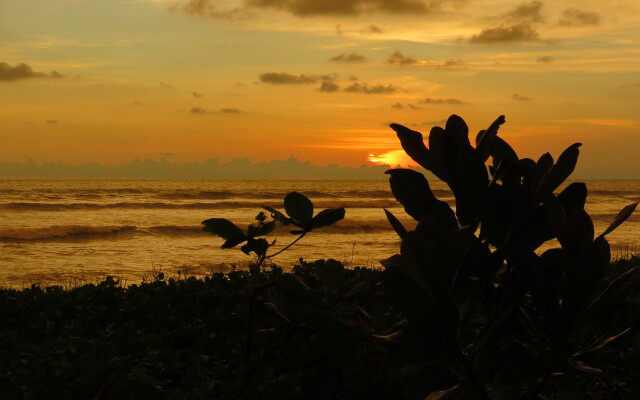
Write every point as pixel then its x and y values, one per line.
pixel 516 25
pixel 521 97
pixel 284 78
pixel 340 7
pixel 209 9
pixel 230 110
pixel 329 87
pixel 352 57
pixel 21 71
pixel 525 12
pixel 196 94
pixel 371 89
pixel 397 58
pixel 452 101
pixel 400 106
pixel 575 17
pixel 309 8
pixel 545 59
pixel 203 111
pixel 373 29
pixel 199 110
pixel 522 32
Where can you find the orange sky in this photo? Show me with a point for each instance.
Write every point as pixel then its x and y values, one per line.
pixel 320 81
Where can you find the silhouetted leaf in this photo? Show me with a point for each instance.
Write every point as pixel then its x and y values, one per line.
pixel 262 229
pixel 327 217
pixel 603 249
pixel 578 231
pixel 234 241
pixel 413 144
pixel 484 139
pixel 278 216
pixel 261 216
pixel 443 152
pixel 564 167
pixel 504 158
pixel 620 218
pixel 298 207
pixel 412 190
pixel 600 343
pixel 458 130
pixel 530 176
pixel 258 246
pixel 397 225
pixel 421 259
pixel 583 275
pixel 222 227
pixel 549 218
pixel 247 248
pixel 469 183
pixel 395 261
pixel 573 197
pixel 545 164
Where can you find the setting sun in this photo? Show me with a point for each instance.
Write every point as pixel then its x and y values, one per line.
pixel 392 158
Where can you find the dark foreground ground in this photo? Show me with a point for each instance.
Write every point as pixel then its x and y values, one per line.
pixel 240 336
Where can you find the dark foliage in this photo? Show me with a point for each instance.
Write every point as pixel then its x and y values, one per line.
pixel 479 300
pixel 469 309
pixel 299 213
pixel 187 339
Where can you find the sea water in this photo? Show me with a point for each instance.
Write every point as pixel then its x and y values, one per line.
pixel 54 230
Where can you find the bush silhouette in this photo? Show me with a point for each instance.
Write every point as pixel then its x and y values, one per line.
pixel 479 301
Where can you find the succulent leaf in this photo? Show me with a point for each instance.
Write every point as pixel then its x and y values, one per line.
pixel 620 218
pixel 578 231
pixel 484 139
pixel 443 151
pixel 573 197
pixel 564 167
pixel 458 130
pixel 413 144
pixel 396 224
pixel 412 190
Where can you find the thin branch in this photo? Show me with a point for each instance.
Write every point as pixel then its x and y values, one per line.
pixel 286 247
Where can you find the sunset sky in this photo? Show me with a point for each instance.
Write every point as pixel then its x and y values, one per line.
pixel 109 81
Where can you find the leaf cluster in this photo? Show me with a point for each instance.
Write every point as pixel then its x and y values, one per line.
pixel 478 296
pixel 299 214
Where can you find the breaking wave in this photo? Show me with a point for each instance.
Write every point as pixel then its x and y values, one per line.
pixel 80 233
pixel 38 206
pixel 65 233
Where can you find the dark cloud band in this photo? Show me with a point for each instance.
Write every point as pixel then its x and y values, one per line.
pixel 21 71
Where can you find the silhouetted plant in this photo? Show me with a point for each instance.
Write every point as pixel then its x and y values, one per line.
pixel 479 301
pixel 299 213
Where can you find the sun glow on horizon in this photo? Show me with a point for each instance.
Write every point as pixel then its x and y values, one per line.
pixel 392 158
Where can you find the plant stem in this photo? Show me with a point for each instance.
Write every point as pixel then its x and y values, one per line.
pixel 286 247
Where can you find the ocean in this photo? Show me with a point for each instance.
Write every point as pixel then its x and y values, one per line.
pixel 69 231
